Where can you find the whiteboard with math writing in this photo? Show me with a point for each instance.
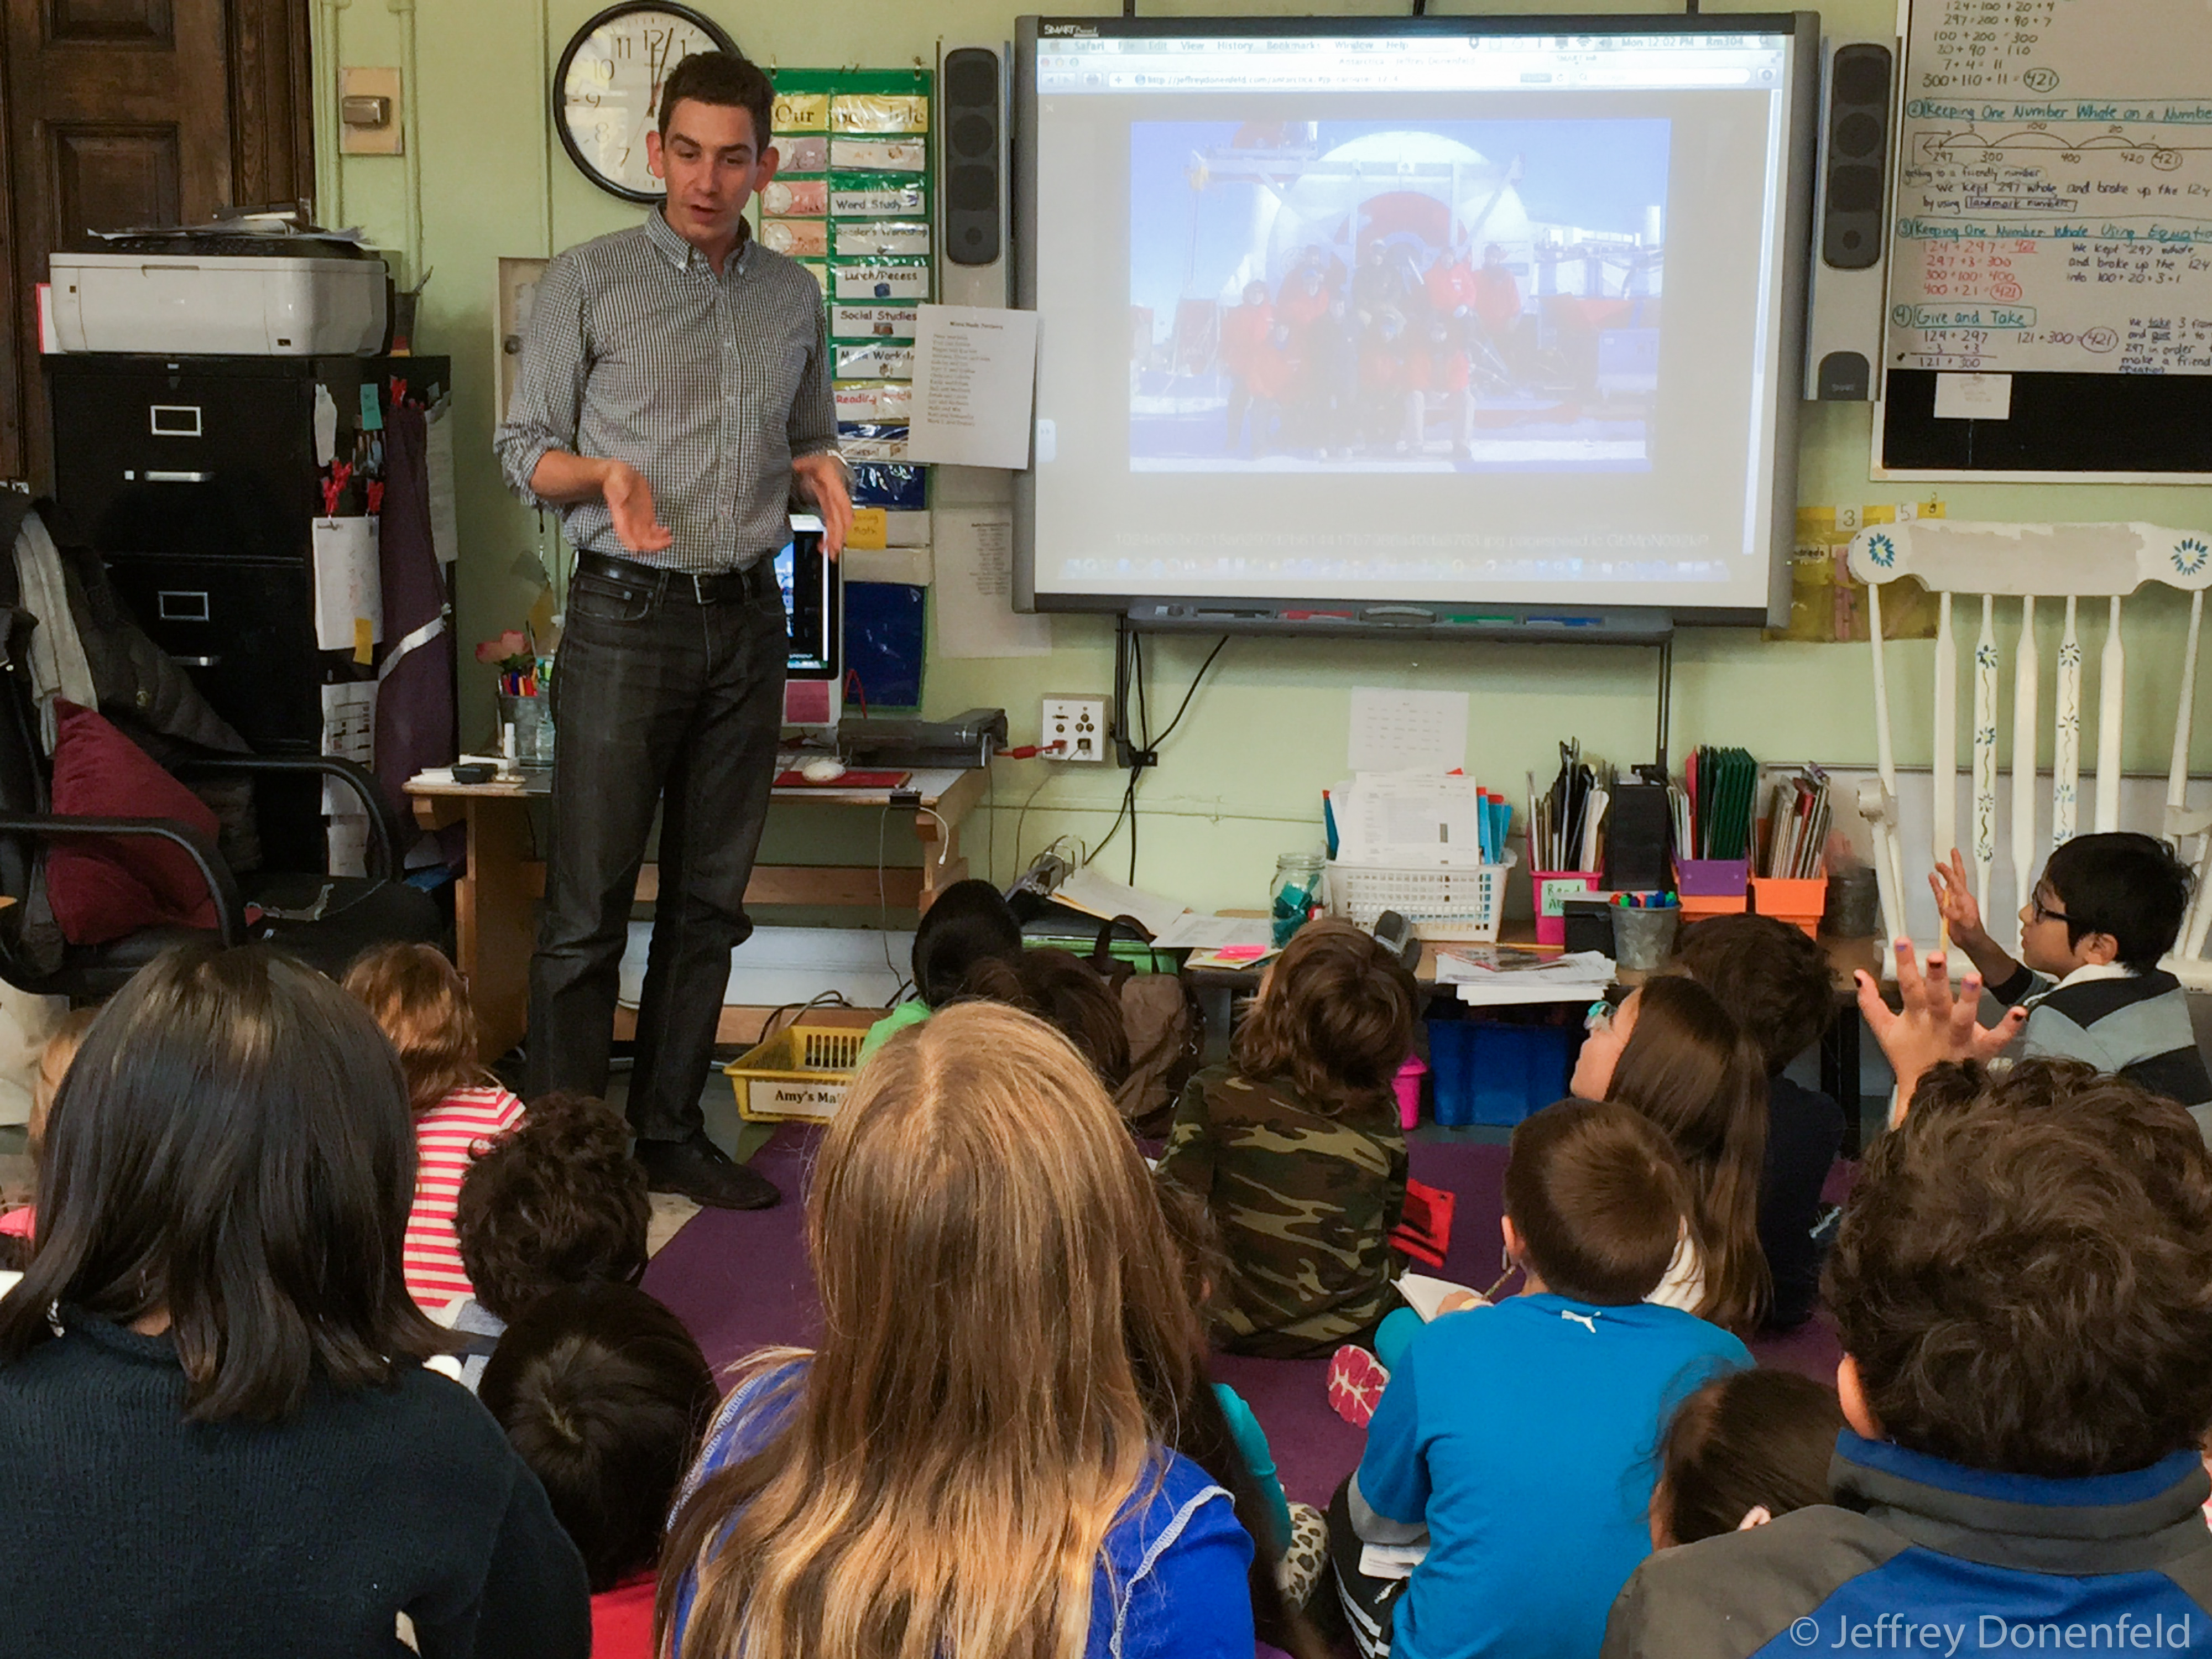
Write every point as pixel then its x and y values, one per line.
pixel 2054 189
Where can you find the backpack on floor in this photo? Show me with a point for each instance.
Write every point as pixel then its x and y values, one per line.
pixel 1166 1029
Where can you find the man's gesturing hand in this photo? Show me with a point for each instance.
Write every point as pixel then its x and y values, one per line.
pixel 629 499
pixel 822 481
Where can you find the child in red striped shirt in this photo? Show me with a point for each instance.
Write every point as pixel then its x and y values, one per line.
pixel 415 994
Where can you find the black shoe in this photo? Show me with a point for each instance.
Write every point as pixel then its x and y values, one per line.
pixel 705 1174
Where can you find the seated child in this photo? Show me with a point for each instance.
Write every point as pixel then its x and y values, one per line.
pixel 1743 1450
pixel 2020 1284
pixel 1520 1435
pixel 1675 1055
pixel 605 1395
pixel 555 1202
pixel 17 1226
pixel 968 923
pixel 1295 1147
pixel 1781 989
pixel 414 993
pixel 2106 908
pixel 978 1459
pixel 1067 994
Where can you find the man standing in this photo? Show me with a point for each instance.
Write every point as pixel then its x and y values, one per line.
pixel 673 393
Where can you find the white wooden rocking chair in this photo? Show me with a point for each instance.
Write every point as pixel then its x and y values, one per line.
pixel 2064 564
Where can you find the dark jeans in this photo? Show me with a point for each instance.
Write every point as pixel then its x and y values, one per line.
pixel 659 700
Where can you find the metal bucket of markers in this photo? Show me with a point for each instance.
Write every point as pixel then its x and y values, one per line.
pixel 1643 936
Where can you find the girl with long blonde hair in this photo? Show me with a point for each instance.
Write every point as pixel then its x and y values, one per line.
pixel 975 1462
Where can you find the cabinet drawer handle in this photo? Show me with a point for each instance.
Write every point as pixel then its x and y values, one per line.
pixel 198 662
pixel 180 477
pixel 178 604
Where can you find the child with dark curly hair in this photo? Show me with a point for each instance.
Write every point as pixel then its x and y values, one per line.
pixel 558 1200
pixel 2020 1284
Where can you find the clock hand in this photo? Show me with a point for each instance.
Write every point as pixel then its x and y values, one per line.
pixel 659 58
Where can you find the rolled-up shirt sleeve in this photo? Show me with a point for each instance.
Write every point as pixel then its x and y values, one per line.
pixel 812 427
pixel 549 383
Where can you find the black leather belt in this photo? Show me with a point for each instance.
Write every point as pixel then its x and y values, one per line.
pixel 716 587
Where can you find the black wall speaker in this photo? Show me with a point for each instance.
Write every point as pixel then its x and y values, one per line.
pixel 1844 334
pixel 1857 152
pixel 975 186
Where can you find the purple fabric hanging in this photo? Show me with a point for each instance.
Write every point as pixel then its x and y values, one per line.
pixel 415 715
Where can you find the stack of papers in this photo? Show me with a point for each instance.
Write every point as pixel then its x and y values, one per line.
pixel 1095 895
pixel 1238 941
pixel 1416 820
pixel 1722 786
pixel 1514 973
pixel 1797 833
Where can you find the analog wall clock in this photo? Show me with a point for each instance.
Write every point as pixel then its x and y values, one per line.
pixel 607 88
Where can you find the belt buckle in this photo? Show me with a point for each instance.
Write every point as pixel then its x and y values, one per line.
pixel 698 588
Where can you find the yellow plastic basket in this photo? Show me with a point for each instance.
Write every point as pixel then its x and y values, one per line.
pixel 799 1072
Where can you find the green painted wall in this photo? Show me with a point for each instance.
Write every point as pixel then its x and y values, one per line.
pixel 1241 781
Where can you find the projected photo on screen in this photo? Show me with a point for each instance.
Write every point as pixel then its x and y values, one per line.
pixel 1413 297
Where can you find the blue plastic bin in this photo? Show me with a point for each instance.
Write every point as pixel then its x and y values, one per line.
pixel 1486 1072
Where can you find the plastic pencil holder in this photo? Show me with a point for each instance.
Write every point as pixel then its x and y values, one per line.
pixel 1800 902
pixel 1552 888
pixel 1407 1087
pixel 1713 887
pixel 1644 938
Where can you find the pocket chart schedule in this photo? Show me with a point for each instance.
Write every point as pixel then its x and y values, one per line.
pixel 2053 209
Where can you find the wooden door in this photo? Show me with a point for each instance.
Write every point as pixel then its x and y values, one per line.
pixel 132 113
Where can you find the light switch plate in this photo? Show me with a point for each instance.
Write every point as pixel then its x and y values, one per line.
pixel 371 83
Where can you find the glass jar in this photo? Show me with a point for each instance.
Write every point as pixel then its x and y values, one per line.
pixel 531 717
pixel 1296 895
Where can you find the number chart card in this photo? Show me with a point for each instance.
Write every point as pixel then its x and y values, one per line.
pixel 2054 189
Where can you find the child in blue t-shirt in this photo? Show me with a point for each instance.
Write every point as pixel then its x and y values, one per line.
pixel 1518 1442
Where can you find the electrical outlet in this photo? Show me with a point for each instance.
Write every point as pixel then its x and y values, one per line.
pixel 1078 724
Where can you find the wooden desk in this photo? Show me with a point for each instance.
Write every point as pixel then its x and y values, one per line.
pixel 495 925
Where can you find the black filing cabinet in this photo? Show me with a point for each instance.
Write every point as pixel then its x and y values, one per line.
pixel 197 480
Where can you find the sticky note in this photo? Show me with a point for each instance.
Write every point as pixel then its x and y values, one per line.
pixel 372 411
pixel 1973 397
pixel 871 531
pixel 364 640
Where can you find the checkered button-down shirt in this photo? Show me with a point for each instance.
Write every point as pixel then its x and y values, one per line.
pixel 707 385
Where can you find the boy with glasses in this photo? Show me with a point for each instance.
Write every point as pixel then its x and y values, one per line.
pixel 2106 908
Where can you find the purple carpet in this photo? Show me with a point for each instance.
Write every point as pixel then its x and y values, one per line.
pixel 740 1280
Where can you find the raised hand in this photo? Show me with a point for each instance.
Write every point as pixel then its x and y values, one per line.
pixel 1933 1025
pixel 1955 900
pixel 629 499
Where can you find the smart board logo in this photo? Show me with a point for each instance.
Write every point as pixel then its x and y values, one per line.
pixel 2190 555
pixel 1080 31
pixel 1882 550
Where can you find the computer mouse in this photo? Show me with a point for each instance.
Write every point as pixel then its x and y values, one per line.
pixel 824 770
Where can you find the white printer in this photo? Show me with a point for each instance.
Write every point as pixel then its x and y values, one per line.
pixel 186 302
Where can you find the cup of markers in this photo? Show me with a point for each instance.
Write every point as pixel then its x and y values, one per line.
pixel 1644 929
